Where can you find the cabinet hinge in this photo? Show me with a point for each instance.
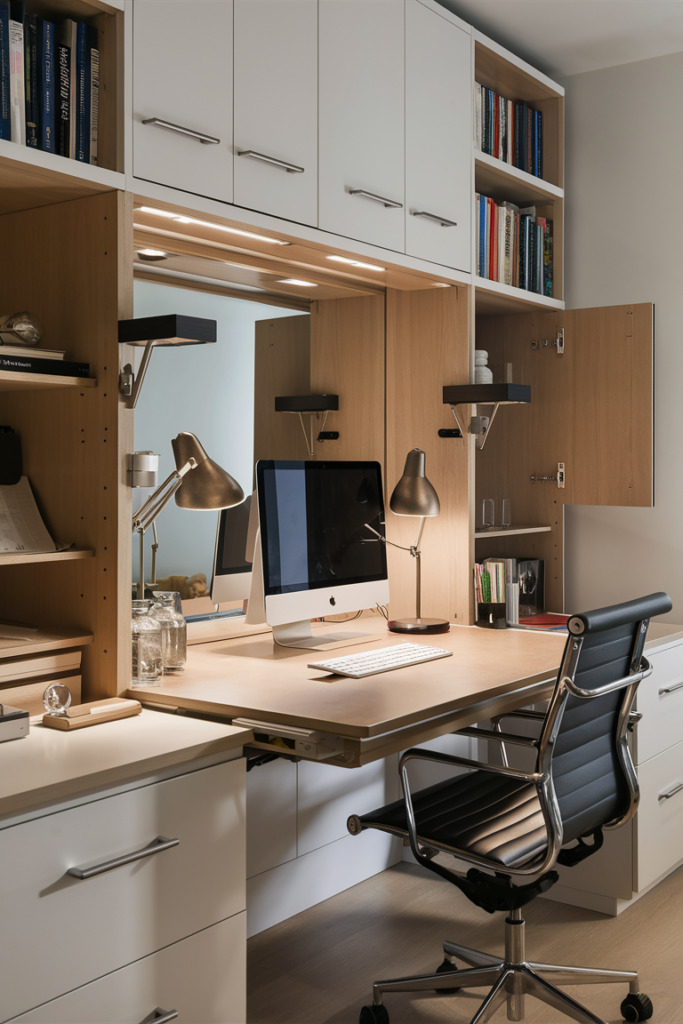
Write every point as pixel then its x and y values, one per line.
pixel 557 342
pixel 560 474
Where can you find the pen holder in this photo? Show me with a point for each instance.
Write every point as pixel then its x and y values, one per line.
pixel 492 616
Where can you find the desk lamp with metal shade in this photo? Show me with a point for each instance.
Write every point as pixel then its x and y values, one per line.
pixel 197 483
pixel 414 495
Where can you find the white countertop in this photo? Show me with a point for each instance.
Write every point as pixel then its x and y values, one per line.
pixel 49 764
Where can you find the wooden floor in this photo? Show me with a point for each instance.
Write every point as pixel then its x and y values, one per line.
pixel 318 967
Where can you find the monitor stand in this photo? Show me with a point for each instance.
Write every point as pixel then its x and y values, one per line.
pixel 299 634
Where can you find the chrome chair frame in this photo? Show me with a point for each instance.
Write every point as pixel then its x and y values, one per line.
pixel 511 977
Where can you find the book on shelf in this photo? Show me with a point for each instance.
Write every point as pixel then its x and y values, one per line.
pixel 5 102
pixel 94 92
pixel 31 88
pixel 31 350
pixel 508 130
pixel 63 99
pixel 489 581
pixel 16 72
pixel 513 246
pixel 33 364
pixel 46 82
pixel 22 529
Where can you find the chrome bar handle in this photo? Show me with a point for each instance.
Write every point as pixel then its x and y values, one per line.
pixel 434 216
pixel 206 140
pixel 156 846
pixel 290 168
pixel 670 689
pixel 160 1016
pixel 375 198
pixel 671 792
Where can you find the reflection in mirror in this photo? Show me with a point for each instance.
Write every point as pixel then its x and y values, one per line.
pixel 208 390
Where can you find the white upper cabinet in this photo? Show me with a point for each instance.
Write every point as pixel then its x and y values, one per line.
pixel 276 108
pixel 361 120
pixel 438 138
pixel 182 88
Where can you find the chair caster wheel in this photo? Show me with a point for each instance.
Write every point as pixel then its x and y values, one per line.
pixel 446 968
pixel 636 1007
pixel 374 1015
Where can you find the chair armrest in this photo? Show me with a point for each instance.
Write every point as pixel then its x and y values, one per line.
pixel 618 684
pixel 502 737
pixel 416 754
pixel 532 716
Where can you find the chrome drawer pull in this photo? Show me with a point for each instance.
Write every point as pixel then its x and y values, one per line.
pixel 159 1016
pixel 670 689
pixel 672 792
pixel 375 198
pixel 290 168
pixel 433 216
pixel 156 846
pixel 206 140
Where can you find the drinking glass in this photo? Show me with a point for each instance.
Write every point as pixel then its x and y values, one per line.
pixel 488 512
pixel 506 513
pixel 146 642
pixel 173 630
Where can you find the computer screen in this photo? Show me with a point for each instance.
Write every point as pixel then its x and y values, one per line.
pixel 318 551
pixel 314 518
pixel 231 569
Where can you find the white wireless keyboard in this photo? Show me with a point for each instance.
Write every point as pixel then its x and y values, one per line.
pixel 386 659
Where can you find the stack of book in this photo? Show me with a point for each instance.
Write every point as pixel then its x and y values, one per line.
pixel 31 359
pixel 489 581
pixel 511 132
pixel 514 247
pixel 49 83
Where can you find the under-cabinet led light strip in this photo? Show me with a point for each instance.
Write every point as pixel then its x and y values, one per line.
pixel 180 219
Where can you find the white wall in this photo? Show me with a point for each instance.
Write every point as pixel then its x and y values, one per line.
pixel 624 243
pixel 208 390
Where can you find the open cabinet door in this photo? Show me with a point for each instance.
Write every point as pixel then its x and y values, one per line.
pixel 590 410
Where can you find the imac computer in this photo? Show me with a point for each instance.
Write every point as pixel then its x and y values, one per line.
pixel 315 555
pixel 232 555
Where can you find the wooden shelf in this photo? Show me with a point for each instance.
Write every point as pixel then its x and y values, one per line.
pixel 502 181
pixel 508 531
pixel 493 299
pixel 12 381
pixel 43 639
pixel 28 558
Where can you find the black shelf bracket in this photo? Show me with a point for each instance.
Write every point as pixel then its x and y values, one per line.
pixel 311 405
pixel 493 395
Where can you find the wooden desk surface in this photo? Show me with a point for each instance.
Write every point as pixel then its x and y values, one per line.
pixel 251 677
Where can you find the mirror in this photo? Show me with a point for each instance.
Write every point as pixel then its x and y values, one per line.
pixel 205 389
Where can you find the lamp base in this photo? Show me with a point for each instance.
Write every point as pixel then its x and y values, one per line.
pixel 418 625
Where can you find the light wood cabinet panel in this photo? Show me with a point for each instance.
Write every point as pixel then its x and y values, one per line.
pixel 276 107
pixel 361 118
pixel 438 138
pixel 182 74
pixel 123 914
pixel 203 978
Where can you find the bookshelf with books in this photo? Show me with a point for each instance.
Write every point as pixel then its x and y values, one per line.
pixel 60 108
pixel 519 184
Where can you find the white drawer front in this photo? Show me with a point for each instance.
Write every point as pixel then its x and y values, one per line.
pixel 662 723
pixel 659 821
pixel 67 931
pixel 203 978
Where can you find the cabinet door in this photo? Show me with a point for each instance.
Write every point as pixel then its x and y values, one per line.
pixel 438 134
pixel 182 75
pixel 202 978
pixel 276 107
pixel 361 116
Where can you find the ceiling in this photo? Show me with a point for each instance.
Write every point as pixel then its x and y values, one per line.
pixel 567 37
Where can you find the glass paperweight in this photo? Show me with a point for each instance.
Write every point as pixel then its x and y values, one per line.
pixel 167 611
pixel 56 699
pixel 146 643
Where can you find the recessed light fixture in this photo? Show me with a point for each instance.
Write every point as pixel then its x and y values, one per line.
pixel 440 284
pixel 355 263
pixel 179 219
pixel 301 284
pixel 152 254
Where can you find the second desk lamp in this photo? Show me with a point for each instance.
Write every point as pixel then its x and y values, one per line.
pixel 414 495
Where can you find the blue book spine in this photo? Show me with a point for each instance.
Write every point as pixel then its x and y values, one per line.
pixel 31 79
pixel 5 120
pixel 82 94
pixel 534 143
pixel 539 142
pixel 46 84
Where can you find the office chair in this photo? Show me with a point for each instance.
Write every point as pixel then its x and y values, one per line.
pixel 516 823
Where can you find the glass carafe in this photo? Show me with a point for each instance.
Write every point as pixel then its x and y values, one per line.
pixel 146 641
pixel 173 630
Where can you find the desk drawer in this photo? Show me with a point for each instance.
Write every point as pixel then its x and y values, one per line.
pixel 658 828
pixel 203 978
pixel 67 931
pixel 662 723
